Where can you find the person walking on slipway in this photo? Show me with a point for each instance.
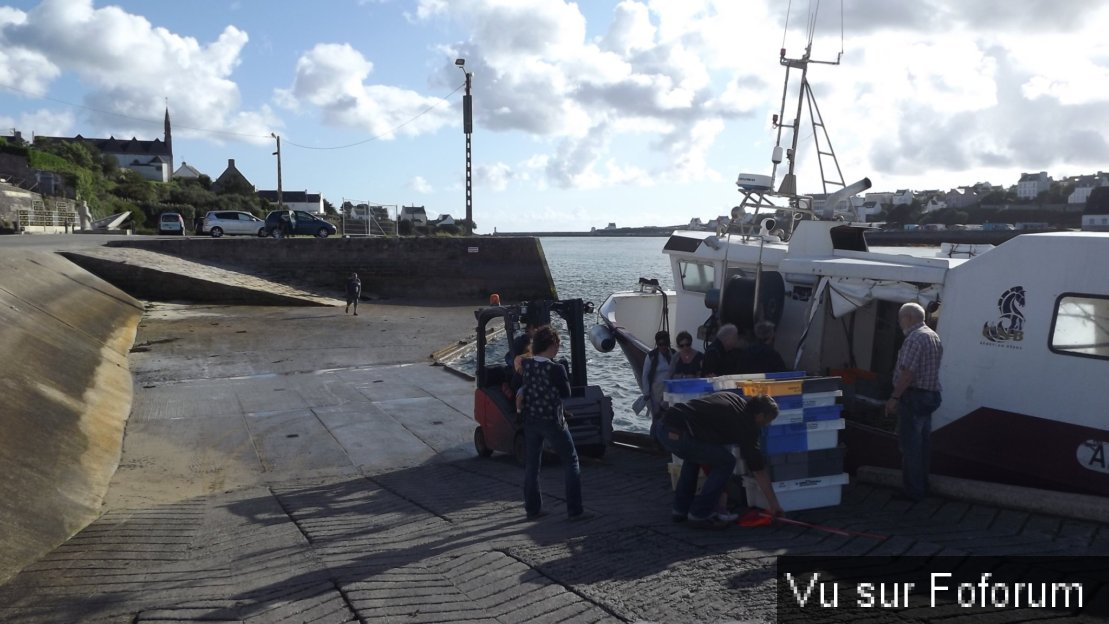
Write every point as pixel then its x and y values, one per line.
pixel 354 291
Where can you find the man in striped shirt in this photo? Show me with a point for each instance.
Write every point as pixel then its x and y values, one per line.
pixel 916 394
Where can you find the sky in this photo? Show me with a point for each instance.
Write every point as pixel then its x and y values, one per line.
pixel 634 112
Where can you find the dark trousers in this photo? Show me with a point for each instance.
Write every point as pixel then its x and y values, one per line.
pixel 914 432
pixel 535 432
pixel 695 454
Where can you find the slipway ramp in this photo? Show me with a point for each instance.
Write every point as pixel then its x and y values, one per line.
pixel 66 396
pixel 163 277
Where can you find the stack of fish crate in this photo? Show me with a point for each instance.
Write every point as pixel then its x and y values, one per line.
pixel 803 455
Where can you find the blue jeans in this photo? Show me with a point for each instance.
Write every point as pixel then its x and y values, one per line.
pixel 694 454
pixel 914 431
pixel 555 432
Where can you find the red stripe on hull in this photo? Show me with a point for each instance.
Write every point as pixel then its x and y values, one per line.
pixel 999 446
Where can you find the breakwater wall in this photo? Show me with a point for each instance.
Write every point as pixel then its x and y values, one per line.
pixel 441 269
pixel 66 398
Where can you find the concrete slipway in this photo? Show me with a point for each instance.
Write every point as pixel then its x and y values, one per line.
pixel 299 464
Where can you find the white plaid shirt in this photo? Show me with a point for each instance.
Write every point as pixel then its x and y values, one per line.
pixel 921 353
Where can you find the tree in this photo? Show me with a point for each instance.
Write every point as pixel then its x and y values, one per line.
pixel 329 209
pixel 1098 201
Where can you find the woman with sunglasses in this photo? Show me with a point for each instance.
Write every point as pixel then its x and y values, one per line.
pixel 686 364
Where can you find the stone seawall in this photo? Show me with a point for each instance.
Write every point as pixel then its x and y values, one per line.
pixel 441 269
pixel 67 393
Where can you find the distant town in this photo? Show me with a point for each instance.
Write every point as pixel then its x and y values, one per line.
pixel 49 181
pixel 1036 202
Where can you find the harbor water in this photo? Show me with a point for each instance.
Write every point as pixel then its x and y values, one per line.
pixel 592 268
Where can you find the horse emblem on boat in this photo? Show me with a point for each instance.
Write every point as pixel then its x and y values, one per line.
pixel 1010 326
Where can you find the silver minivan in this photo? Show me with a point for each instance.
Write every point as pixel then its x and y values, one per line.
pixel 220 222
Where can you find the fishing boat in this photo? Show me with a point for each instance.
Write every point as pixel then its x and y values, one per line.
pixel 1025 324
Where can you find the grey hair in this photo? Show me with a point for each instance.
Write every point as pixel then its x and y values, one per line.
pixel 727 331
pixel 764 330
pixel 912 311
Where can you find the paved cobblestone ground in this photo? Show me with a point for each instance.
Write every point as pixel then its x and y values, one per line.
pixel 447 542
pixel 322 490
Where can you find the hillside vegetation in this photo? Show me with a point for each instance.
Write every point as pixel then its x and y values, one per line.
pixel 109 189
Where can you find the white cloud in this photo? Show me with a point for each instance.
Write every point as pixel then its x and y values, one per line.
pixel 536 72
pixel 130 66
pixel 43 121
pixel 420 185
pixel 332 78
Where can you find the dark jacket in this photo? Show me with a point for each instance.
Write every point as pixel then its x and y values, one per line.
pixel 720 418
pixel 354 287
pixel 761 358
pixel 720 362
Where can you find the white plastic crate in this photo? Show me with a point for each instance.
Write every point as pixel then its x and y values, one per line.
pixel 820 399
pixel 800 494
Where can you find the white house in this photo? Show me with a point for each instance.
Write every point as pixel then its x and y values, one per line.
pixel 186 172
pixel 903 197
pixel 935 202
pixel 1032 184
pixel 444 219
pixel 311 203
pixel 415 214
pixel 962 197
pixel 1085 185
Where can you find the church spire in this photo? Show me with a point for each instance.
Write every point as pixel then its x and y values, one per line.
pixel 169 133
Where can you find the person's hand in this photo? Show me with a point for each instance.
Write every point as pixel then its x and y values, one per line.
pixel 891 406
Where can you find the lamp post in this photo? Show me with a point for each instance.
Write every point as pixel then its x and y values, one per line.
pixel 468 128
pixel 280 204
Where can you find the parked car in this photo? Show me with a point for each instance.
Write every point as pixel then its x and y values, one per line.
pixel 171 223
pixel 277 224
pixel 220 222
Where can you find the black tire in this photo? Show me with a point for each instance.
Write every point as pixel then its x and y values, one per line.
pixel 323 233
pixel 480 446
pixel 261 232
pixel 217 232
pixel 519 449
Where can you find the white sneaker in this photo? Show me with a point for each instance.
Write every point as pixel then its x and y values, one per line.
pixel 725 516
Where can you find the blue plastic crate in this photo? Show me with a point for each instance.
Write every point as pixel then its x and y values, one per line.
pixel 786 375
pixel 790 401
pixel 688 386
pixel 826 412
pixel 785 442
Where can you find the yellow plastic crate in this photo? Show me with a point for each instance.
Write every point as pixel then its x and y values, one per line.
pixel 772 388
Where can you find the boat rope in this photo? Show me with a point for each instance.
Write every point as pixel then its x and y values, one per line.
pixel 785 31
pixel 826 529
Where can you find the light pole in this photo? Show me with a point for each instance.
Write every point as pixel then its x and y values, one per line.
pixel 280 204
pixel 468 128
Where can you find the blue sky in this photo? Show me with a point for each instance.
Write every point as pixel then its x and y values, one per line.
pixel 638 112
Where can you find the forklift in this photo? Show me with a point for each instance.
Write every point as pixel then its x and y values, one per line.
pixel 588 411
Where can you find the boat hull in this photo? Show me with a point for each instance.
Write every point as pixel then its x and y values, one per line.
pixel 999 446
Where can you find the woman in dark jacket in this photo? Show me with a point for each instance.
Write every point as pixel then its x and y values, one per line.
pixel 545 385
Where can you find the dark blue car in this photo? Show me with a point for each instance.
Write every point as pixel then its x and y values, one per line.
pixel 281 223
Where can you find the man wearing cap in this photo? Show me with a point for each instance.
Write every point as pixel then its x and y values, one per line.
pixel 699 432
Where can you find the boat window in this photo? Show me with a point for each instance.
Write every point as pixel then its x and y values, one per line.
pixel 1081 326
pixel 696 277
